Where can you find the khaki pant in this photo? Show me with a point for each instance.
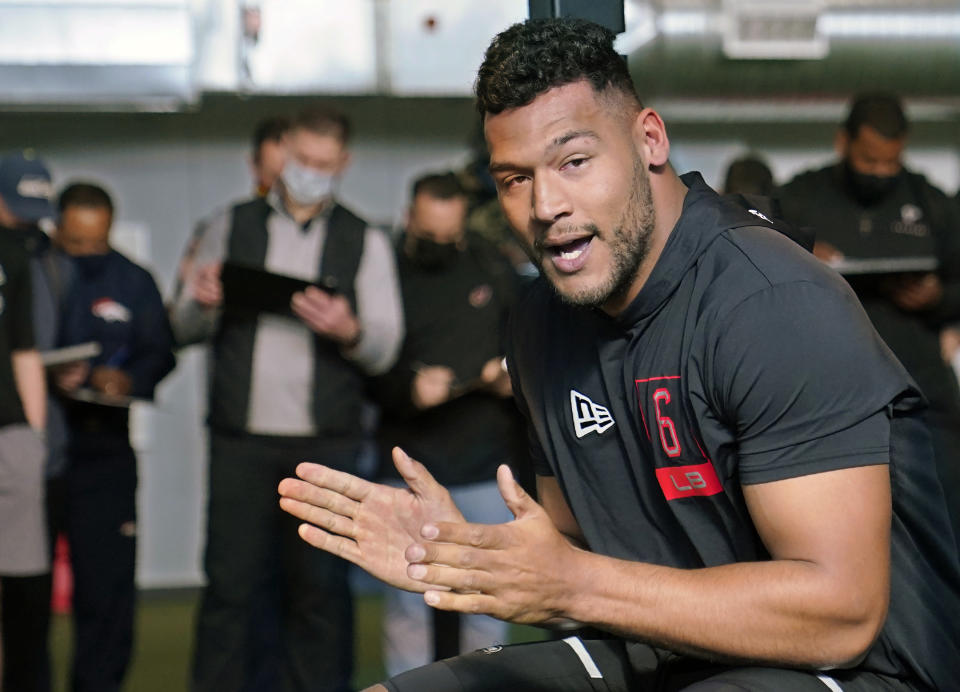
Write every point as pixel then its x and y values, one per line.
pixel 23 532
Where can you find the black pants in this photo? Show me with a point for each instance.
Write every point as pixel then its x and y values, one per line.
pixel 26 615
pixel 611 665
pixel 247 537
pixel 99 518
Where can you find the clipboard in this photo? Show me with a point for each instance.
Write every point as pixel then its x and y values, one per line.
pixel 70 354
pixel 251 290
pixel 920 264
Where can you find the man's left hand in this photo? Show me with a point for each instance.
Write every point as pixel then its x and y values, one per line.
pixel 111 381
pixel 517 571
pixel 495 378
pixel 914 293
pixel 327 315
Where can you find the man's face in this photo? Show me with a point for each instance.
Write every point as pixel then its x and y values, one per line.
pixel 84 231
pixel 322 153
pixel 574 186
pixel 269 163
pixel 439 220
pixel 870 153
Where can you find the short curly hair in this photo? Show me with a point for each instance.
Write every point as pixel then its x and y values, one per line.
pixel 535 56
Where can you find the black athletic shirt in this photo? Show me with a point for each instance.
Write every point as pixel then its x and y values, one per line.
pixel 743 360
pixel 16 321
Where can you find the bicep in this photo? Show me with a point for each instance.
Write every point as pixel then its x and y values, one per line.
pixel 839 521
pixel 555 504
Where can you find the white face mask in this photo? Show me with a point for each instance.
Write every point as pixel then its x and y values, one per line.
pixel 307 185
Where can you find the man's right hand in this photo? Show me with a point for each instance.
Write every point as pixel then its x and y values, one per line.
pixel 205 286
pixel 432 386
pixel 825 252
pixel 369 524
pixel 70 376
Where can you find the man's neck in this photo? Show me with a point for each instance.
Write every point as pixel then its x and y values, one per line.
pixel 667 192
pixel 302 213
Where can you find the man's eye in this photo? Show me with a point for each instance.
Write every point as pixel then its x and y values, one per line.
pixel 575 163
pixel 514 181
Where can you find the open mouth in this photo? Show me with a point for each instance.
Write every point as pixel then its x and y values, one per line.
pixel 570 257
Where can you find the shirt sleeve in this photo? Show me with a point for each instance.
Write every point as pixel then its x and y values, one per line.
pixel 152 353
pixel 804 382
pixel 379 306
pixel 190 321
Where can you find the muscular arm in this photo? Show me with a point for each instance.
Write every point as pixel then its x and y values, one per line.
pixel 819 602
pixel 31 386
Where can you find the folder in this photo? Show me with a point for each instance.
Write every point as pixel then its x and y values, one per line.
pixel 252 290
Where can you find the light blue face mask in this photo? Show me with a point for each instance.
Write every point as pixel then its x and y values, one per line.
pixel 305 185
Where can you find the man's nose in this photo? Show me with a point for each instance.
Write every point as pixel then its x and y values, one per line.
pixel 551 201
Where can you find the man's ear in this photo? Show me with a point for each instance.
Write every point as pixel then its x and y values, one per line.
pixel 650 137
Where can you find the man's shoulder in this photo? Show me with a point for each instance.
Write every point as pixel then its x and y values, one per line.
pixel 348 213
pixel 131 271
pixel 750 260
pixel 920 183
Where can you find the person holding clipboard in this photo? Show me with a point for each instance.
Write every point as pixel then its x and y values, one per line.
pixel 116 304
pixel 299 299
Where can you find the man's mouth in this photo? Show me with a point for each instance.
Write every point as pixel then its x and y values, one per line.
pixel 569 257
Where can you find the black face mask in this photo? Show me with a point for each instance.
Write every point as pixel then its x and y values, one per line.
pixel 90 265
pixel 870 189
pixel 430 254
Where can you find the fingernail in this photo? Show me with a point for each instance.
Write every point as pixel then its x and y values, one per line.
pixel 417 571
pixel 431 597
pixel 429 531
pixel 416 553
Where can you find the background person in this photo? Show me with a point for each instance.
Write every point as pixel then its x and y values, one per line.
pixel 286 387
pixel 114 302
pixel 25 191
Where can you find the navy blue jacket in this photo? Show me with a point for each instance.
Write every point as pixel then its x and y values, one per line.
pixel 116 303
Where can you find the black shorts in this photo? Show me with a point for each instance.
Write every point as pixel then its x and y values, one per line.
pixel 612 665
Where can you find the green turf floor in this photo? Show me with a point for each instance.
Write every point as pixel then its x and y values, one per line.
pixel 164 638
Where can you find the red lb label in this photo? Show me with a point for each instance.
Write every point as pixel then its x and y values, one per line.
pixel 689 481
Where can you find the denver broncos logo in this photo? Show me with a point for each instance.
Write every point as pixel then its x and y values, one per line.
pixel 110 310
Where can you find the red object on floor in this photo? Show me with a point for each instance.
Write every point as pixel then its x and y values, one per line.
pixel 61 602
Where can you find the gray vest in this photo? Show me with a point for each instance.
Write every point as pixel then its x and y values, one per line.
pixel 338 383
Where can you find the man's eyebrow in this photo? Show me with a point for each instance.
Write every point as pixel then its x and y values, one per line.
pixel 558 142
pixel 570 136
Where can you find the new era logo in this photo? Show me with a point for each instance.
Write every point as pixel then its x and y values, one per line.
pixel 588 417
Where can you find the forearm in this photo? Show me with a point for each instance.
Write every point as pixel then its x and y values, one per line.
pixel 781 611
pixel 31 386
